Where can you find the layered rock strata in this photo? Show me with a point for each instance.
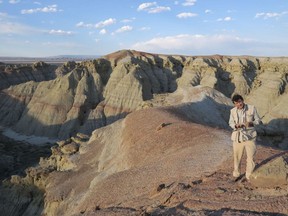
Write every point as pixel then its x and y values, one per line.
pixel 156 160
pixel 99 92
pixel 20 73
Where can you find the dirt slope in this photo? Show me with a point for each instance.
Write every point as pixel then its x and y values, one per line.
pixel 154 162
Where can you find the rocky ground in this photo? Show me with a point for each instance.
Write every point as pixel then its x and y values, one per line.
pixel 218 194
pixel 170 155
pixel 211 194
pixel 186 174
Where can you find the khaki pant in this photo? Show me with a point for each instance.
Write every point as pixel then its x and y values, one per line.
pixel 238 149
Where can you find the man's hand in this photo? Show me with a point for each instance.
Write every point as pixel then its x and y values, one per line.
pixel 237 126
pixel 250 124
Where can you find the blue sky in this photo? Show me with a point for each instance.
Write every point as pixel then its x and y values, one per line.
pixel 42 28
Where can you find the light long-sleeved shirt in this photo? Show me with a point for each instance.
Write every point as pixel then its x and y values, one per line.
pixel 248 114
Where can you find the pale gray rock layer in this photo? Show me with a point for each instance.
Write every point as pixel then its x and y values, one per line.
pixel 99 92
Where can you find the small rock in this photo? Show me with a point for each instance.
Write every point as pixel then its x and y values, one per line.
pixel 247 198
pixel 15 179
pixel 55 150
pixel 64 142
pixel 220 190
pixel 160 187
pixel 149 209
pixel 184 186
pixel 162 125
pixel 197 182
pixel 70 148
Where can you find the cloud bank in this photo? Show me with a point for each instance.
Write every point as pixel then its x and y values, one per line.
pixel 48 9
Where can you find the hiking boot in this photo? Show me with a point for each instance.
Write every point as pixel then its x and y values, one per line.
pixel 234 179
pixel 245 180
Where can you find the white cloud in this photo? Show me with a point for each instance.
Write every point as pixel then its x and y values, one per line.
pixel 104 23
pixel 124 29
pixel 152 7
pixel 231 11
pixel 208 11
pixel 82 24
pixel 225 19
pixel 10 27
pixel 146 6
pixel 14 1
pixel 189 2
pixel 128 20
pixel 60 32
pixel 3 16
pixel 59 47
pixel 100 24
pixel 38 3
pixel 103 31
pixel 48 9
pixel 16 28
pixel 270 15
pixel 169 42
pixel 145 28
pixel 186 15
pixel 159 9
pixel 211 44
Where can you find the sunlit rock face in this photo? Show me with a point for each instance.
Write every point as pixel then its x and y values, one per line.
pixel 126 159
pixel 272 174
pixel 172 141
pixel 88 95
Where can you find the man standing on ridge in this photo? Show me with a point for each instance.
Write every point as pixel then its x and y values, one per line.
pixel 243 118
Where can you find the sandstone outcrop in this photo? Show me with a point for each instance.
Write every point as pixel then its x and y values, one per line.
pixel 48 112
pixel 15 74
pixel 65 68
pixel 91 94
pixel 272 174
pixel 171 154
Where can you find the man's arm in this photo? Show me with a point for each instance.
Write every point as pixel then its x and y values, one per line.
pixel 231 121
pixel 257 119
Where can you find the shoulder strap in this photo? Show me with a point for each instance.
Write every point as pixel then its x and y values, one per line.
pixel 250 109
pixel 234 115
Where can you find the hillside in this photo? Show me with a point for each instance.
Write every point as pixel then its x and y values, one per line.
pixel 142 134
pixel 153 162
pixel 88 95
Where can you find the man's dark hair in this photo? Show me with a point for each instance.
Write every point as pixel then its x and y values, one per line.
pixel 237 97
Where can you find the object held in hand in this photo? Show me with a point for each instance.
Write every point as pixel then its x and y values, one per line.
pixel 250 124
pixel 237 126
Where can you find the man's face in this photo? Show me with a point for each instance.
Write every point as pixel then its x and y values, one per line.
pixel 239 104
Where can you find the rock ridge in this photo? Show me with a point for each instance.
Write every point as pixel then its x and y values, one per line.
pixel 146 134
pixel 13 74
pixel 91 94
